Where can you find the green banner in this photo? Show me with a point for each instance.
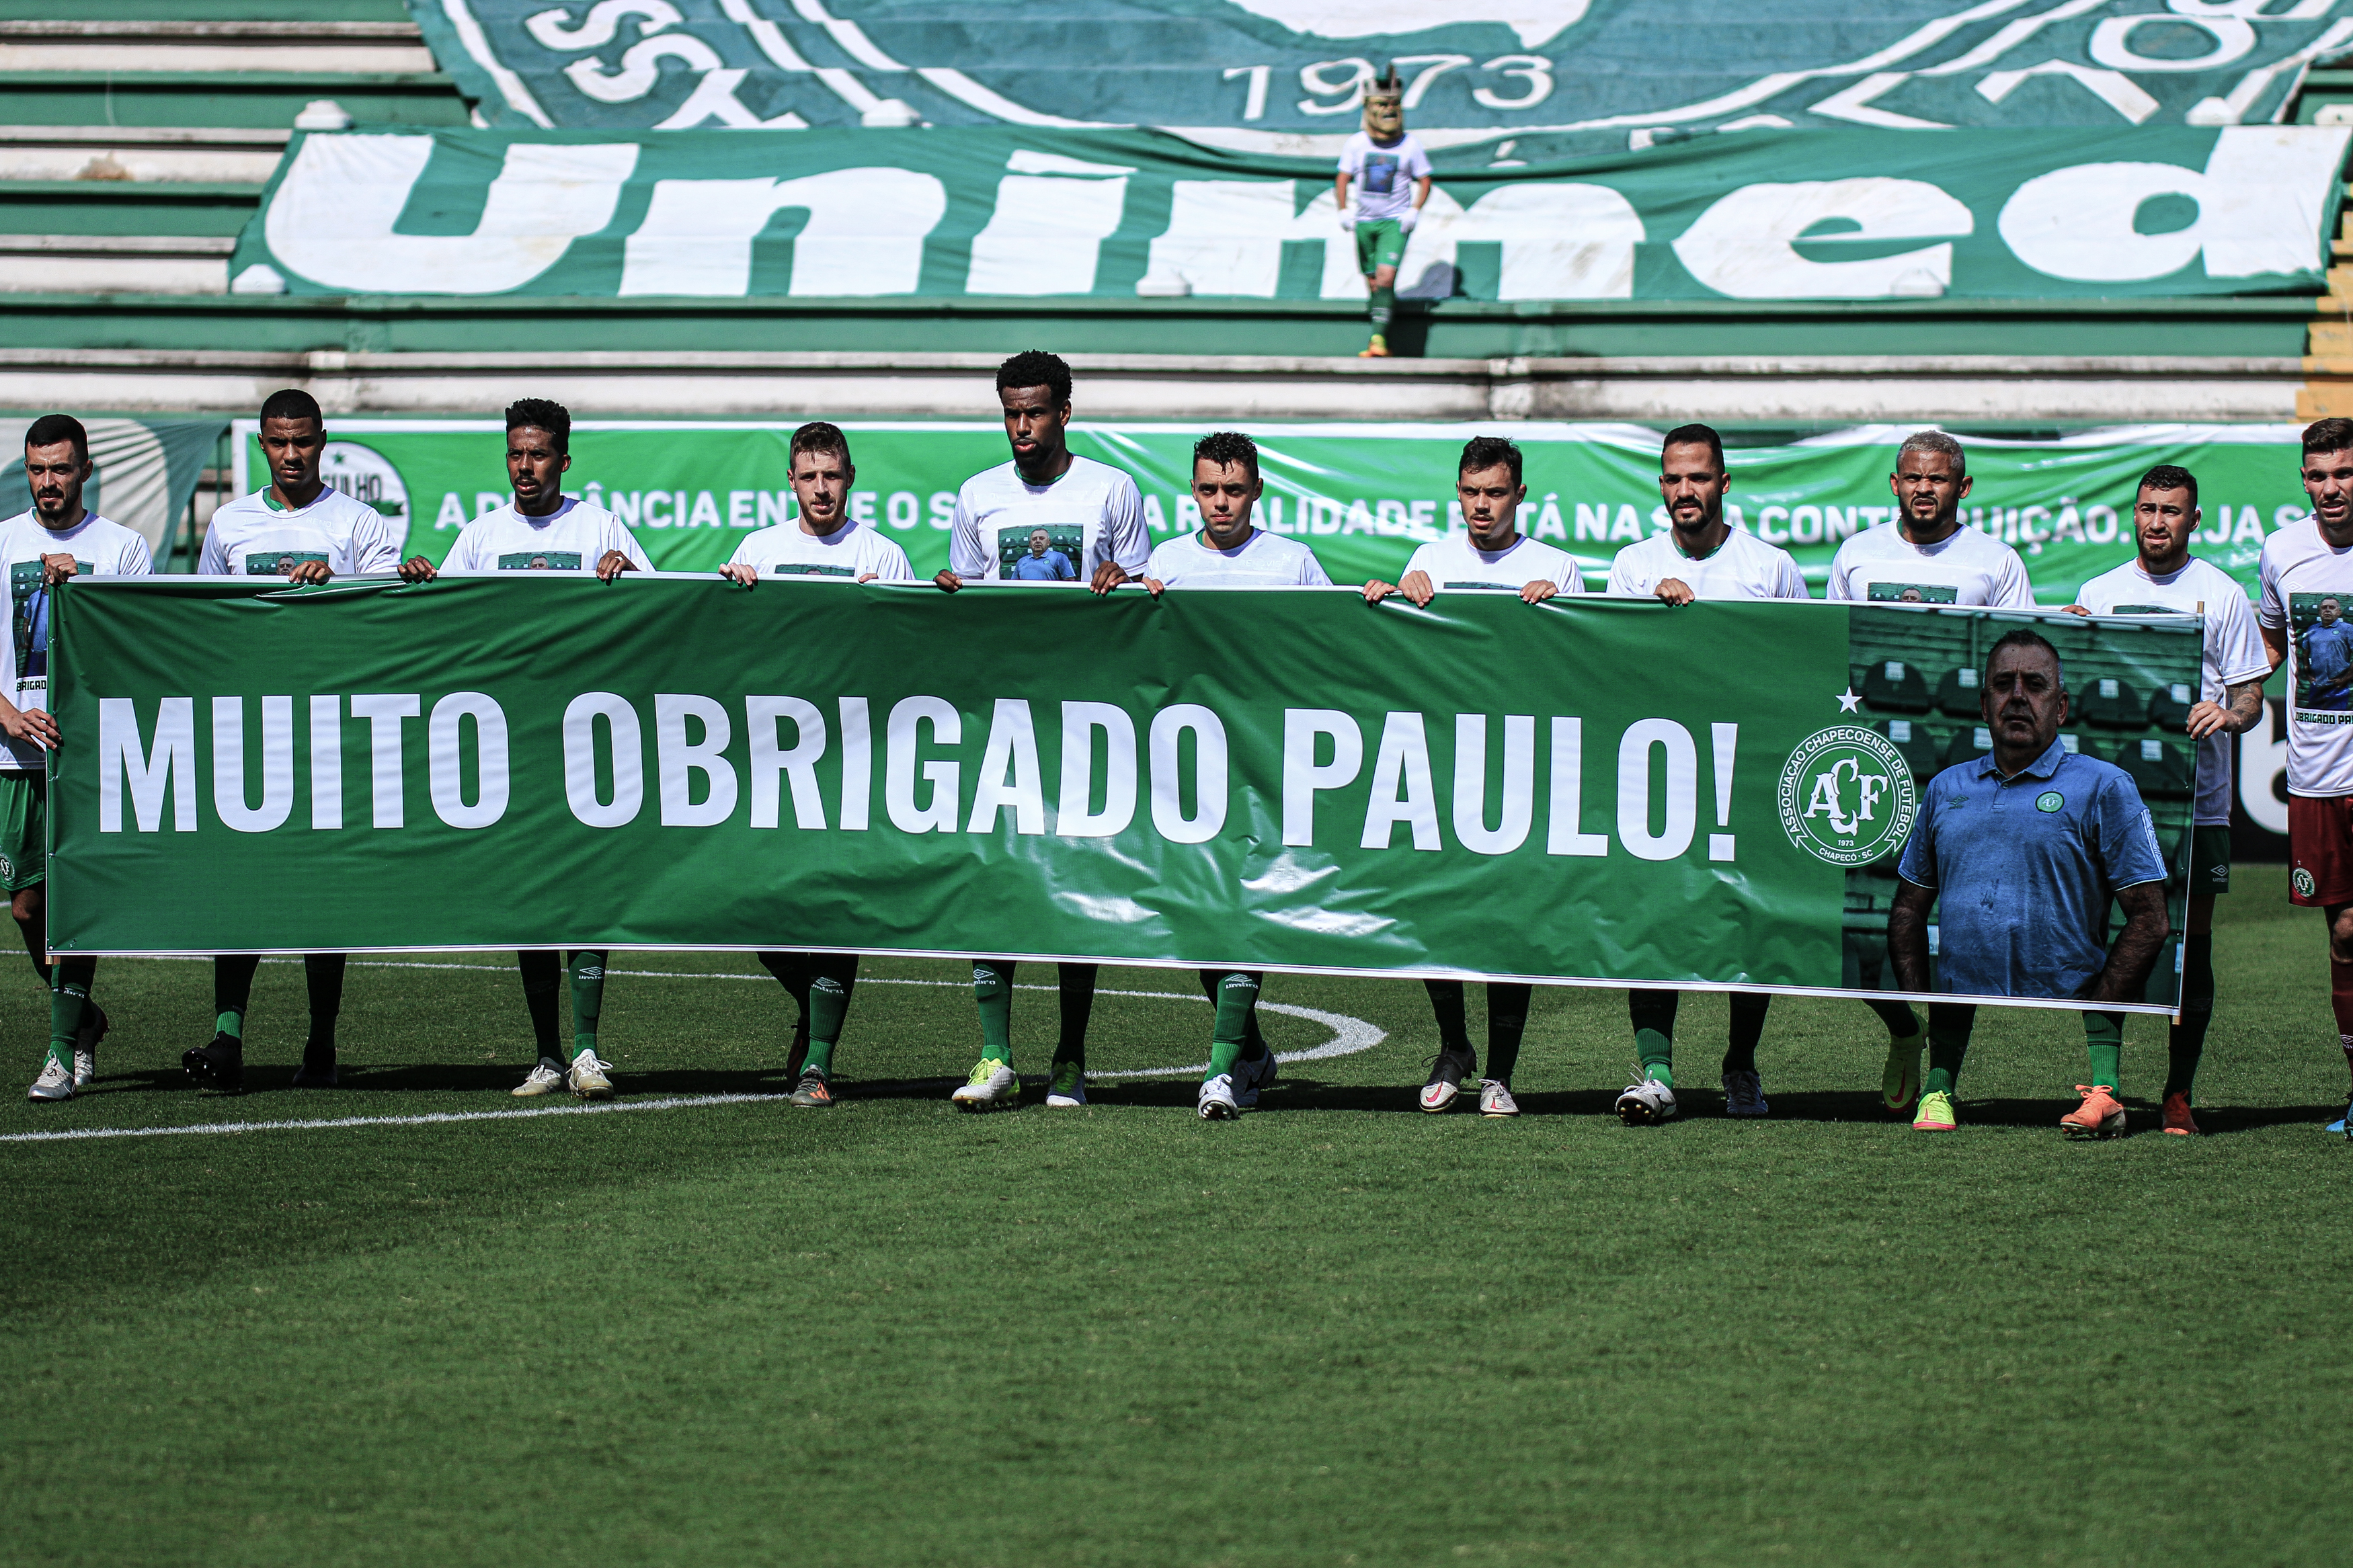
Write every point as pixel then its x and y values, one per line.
pixel 1753 214
pixel 1586 791
pixel 1363 496
pixel 1300 68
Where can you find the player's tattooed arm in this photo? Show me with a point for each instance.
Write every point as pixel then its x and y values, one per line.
pixel 2124 974
pixel 35 728
pixel 2241 709
pixel 1907 934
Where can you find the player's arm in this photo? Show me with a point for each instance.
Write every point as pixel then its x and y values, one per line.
pixel 2017 590
pixel 35 728
pixel 211 561
pixel 417 569
pixel 1673 591
pixel 1340 195
pixel 2241 709
pixel 2126 973
pixel 1124 540
pixel 309 573
pixel 374 549
pixel 1907 934
pixel 966 556
pixel 1412 215
pixel 55 568
pixel 1537 592
pixel 741 572
pixel 2275 645
pixel 612 563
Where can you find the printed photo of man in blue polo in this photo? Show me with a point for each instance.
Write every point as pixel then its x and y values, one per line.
pixel 2022 851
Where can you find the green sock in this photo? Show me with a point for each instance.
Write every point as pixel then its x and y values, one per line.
pixel 1653 1015
pixel 1748 1010
pixel 324 972
pixel 829 1006
pixel 587 998
pixel 541 972
pixel 1903 1024
pixel 2104 1042
pixel 1948 1041
pixel 233 991
pixel 36 932
pixel 67 999
pixel 2186 1041
pixel 1383 307
pixel 1507 1020
pixel 1447 1004
pixel 992 988
pixel 1078 1000
pixel 1235 991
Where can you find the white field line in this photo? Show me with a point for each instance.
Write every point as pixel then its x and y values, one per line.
pixel 1349 1035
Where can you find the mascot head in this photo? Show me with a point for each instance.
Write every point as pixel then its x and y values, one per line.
pixel 1384 108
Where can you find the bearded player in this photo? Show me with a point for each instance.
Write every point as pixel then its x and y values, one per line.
pixel 1231 552
pixel 304 530
pixel 2164 578
pixel 1927 554
pixel 1391 173
pixel 1700 556
pixel 59 538
pixel 1489 555
pixel 2306 566
pixel 543 530
pixel 820 542
pixel 1094 511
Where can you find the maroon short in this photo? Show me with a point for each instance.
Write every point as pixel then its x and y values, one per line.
pixel 2320 850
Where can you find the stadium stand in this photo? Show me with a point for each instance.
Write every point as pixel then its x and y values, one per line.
pixel 142 133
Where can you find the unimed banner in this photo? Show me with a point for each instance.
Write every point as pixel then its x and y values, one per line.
pixel 1291 779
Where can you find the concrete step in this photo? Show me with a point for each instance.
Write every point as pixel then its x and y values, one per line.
pixel 181 207
pixel 255 98
pixel 319 47
pixel 145 155
pixel 107 264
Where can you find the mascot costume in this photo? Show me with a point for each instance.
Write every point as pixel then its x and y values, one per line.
pixel 1390 172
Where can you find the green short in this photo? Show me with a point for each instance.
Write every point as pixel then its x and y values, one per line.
pixel 24 828
pixel 1380 242
pixel 2210 859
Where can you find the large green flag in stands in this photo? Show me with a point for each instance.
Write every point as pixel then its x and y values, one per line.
pixel 1598 791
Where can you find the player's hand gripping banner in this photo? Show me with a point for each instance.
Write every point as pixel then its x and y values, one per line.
pixel 1586 791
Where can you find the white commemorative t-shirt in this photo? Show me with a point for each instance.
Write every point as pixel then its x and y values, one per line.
pixel 1743 567
pixel 1262 561
pixel 2234 650
pixel 254 536
pixel 1381 179
pixel 853 552
pixel 572 538
pixel 1454 562
pixel 1967 567
pixel 1094 513
pixel 100 549
pixel 2300 568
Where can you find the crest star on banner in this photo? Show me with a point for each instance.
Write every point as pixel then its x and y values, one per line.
pixel 1848 701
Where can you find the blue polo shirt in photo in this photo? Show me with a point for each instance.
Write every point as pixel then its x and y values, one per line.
pixel 2024 868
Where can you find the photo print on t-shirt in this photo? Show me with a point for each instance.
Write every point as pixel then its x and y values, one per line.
pixel 1913 593
pixel 1042 552
pixel 2324 656
pixel 811 569
pixel 280 563
pixel 540 561
pixel 28 619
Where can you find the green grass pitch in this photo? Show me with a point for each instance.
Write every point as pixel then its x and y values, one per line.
pixel 1337 1332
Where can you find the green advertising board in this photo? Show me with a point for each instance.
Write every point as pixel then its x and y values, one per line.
pixel 1363 496
pixel 1283 779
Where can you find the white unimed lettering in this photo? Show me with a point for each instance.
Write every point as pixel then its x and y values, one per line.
pixel 252 742
pixel 1323 751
